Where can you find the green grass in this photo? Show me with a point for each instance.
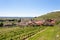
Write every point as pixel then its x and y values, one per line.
pixel 54 15
pixel 52 33
pixel 18 33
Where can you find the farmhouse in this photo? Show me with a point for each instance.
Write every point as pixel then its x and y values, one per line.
pixel 49 22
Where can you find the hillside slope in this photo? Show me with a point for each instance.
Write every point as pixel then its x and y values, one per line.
pixel 54 15
pixel 52 33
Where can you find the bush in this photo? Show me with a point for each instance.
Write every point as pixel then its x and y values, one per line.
pixel 1 24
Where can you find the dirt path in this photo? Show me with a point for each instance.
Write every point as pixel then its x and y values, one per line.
pixel 38 33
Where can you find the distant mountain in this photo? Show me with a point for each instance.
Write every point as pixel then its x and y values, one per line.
pixel 15 17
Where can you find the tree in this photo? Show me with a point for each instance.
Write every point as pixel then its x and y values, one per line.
pixel 19 20
pixel 1 24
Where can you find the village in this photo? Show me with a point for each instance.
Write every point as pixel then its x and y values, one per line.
pixel 30 22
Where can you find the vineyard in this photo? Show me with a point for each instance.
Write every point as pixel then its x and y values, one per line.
pixel 51 33
pixel 18 33
pixel 10 29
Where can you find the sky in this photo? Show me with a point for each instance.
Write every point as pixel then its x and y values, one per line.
pixel 27 8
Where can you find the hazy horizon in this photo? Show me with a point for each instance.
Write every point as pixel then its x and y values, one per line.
pixel 27 8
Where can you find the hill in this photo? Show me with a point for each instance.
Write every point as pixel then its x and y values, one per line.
pixel 54 15
pixel 51 33
pixel 51 15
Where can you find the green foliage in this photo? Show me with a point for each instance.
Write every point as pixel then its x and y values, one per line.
pixel 54 15
pixel 51 33
pixel 19 20
pixel 1 24
pixel 18 33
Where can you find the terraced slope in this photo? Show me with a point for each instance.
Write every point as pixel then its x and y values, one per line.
pixel 18 33
pixel 52 33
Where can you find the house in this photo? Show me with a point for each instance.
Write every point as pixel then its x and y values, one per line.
pixel 49 22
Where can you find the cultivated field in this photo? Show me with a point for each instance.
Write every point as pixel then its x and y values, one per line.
pixel 51 33
pixel 32 28
pixel 18 33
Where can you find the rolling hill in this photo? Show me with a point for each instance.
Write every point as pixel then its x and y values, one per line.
pixel 51 33
pixel 54 15
pixel 51 15
pixel 22 33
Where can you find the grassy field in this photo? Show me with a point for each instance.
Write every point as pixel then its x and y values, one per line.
pixel 18 33
pixel 51 33
pixel 22 33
